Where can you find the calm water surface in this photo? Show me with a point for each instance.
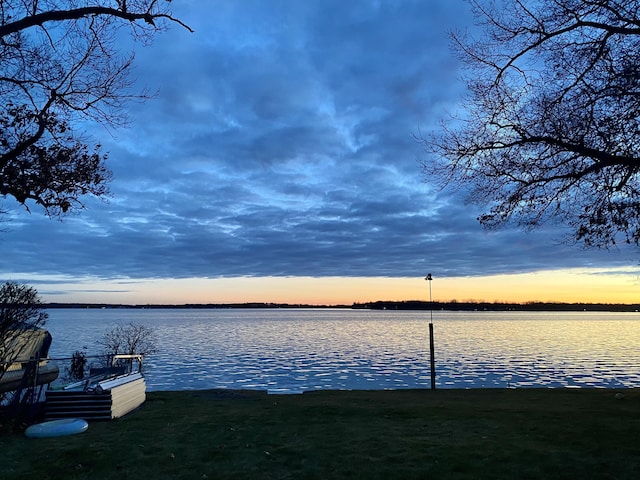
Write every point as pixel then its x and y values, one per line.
pixel 287 351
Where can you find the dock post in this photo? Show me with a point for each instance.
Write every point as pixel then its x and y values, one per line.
pixel 432 358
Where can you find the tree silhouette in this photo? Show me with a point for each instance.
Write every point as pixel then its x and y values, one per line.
pixel 21 316
pixel 60 65
pixel 551 124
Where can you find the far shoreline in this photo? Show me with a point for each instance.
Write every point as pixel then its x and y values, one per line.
pixel 419 305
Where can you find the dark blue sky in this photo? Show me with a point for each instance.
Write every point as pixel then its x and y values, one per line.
pixel 281 143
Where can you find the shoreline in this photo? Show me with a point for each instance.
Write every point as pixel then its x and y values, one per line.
pixel 406 305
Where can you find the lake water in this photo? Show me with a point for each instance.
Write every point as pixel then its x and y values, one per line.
pixel 294 350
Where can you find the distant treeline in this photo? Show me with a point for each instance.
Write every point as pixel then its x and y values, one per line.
pixel 192 305
pixel 499 306
pixel 391 305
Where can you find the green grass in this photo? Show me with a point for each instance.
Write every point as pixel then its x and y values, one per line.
pixel 449 434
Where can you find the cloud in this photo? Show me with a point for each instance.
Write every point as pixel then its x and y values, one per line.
pixel 280 143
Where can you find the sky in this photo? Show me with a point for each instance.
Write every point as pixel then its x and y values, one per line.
pixel 277 162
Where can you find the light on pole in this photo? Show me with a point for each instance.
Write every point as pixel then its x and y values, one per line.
pixel 432 359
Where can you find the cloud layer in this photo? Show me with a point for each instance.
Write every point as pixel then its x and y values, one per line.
pixel 281 143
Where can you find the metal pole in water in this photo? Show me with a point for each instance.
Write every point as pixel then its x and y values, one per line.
pixel 432 359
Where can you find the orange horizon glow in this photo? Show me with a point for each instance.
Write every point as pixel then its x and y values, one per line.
pixel 621 285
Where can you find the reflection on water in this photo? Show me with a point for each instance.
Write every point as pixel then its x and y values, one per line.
pixel 287 351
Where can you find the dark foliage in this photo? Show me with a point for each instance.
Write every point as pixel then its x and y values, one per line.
pixel 60 66
pixel 21 313
pixel 78 366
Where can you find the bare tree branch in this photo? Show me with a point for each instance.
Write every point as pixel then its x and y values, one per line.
pixel 552 125
pixel 39 19
pixel 60 65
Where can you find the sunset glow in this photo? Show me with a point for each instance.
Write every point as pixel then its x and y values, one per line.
pixel 568 286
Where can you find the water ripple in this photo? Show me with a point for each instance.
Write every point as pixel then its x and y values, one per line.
pixel 287 351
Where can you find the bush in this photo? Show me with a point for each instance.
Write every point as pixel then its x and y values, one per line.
pixel 78 366
pixel 128 339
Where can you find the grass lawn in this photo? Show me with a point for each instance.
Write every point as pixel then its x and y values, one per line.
pixel 405 434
